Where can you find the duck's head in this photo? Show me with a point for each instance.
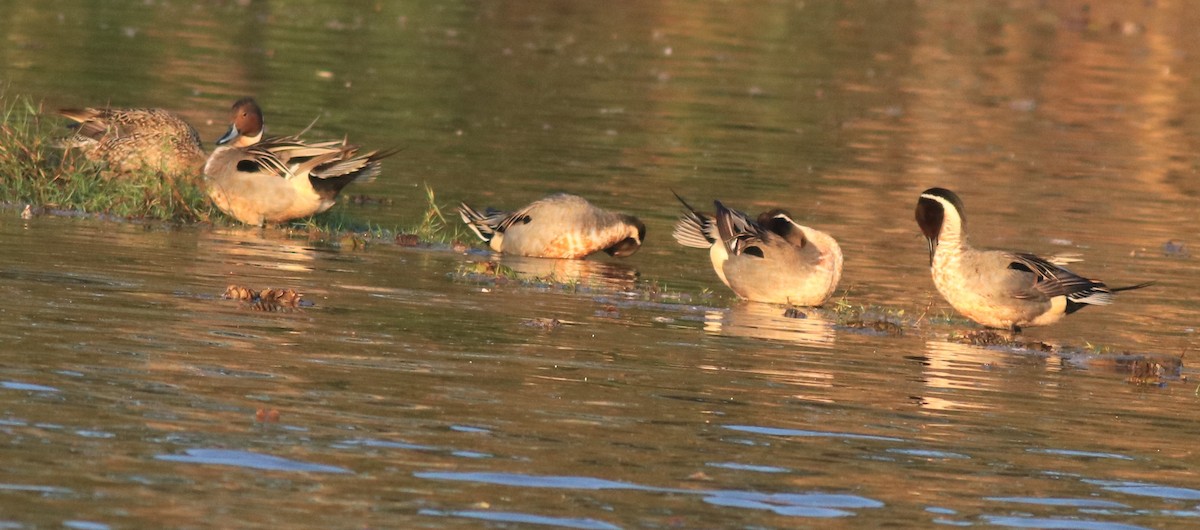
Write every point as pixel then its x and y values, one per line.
pixel 779 222
pixel 937 210
pixel 629 245
pixel 247 124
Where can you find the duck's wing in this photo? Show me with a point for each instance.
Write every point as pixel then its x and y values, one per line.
pixel 1051 280
pixel 352 165
pixel 738 233
pixel 285 156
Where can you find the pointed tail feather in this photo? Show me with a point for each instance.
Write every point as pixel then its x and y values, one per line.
pixel 1132 287
pixel 86 125
pixel 1099 294
pixel 337 170
pixel 80 115
pixel 476 221
pixel 694 229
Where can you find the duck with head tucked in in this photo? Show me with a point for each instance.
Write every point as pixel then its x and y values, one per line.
pixel 278 179
pixel 772 259
pixel 996 288
pixel 134 140
pixel 558 226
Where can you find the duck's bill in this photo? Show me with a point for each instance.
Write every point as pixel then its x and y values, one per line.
pixel 229 136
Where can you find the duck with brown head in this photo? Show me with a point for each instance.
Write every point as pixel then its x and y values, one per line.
pixel 996 288
pixel 278 179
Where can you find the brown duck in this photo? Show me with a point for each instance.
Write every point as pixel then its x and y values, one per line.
pixel 133 140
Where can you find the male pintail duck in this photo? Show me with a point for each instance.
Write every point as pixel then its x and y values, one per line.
pixel 258 180
pixel 996 288
pixel 132 140
pixel 558 226
pixel 772 260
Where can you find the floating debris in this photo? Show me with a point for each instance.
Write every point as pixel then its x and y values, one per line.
pixel 1146 372
pixel 1172 249
pixel 267 299
pixel 1143 368
pixel 485 272
pixel 350 241
pixel 266 415
pixel 542 323
pixel 27 213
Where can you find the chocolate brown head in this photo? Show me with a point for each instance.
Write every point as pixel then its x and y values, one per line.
pixel 931 214
pixel 246 124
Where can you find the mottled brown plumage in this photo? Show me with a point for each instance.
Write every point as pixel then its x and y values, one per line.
pixel 133 140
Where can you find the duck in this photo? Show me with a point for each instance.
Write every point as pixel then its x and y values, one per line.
pixel 771 259
pixel 260 180
pixel 998 288
pixel 558 226
pixel 132 140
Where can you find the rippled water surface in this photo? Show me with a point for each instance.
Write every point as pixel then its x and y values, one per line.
pixel 417 390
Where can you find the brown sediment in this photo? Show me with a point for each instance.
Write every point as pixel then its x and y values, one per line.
pixel 408 240
pixel 879 326
pixel 991 337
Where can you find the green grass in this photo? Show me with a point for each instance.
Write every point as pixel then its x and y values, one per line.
pixel 432 228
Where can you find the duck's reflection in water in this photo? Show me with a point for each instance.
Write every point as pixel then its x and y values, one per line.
pixel 778 360
pixel 606 275
pixel 952 373
pixel 258 249
pixel 806 326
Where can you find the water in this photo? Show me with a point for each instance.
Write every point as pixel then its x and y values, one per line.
pixel 417 392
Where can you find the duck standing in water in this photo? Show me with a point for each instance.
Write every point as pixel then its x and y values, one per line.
pixel 558 226
pixel 278 179
pixel 135 140
pixel 772 259
pixel 996 288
